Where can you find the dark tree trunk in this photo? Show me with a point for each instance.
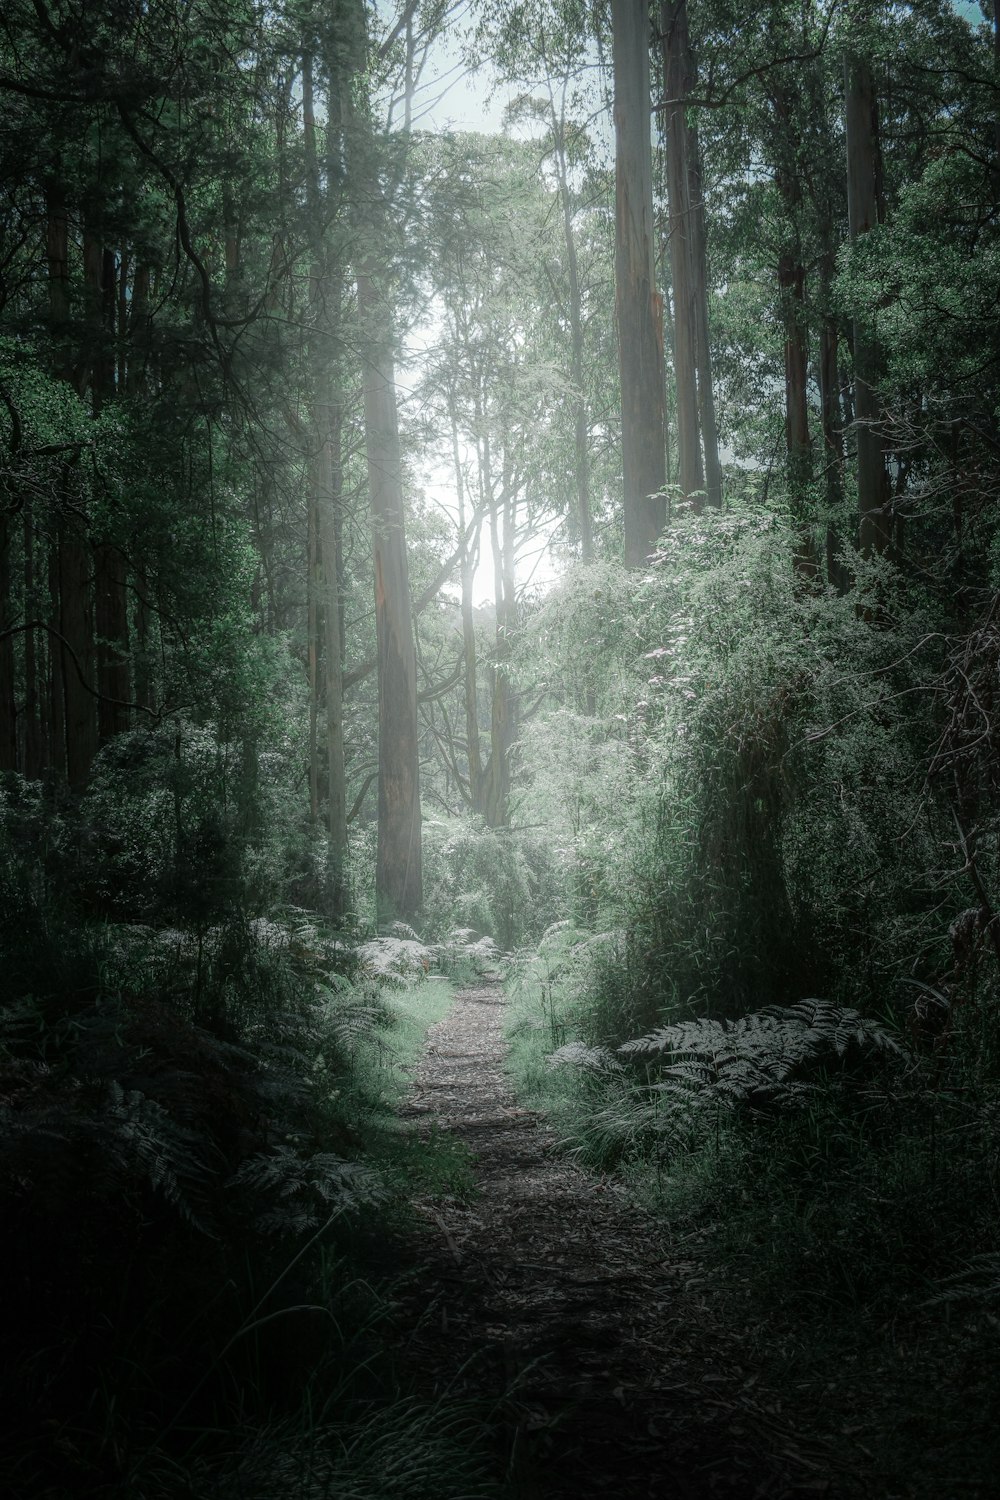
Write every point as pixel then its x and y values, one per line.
pixel 706 388
pixel 688 272
pixel 8 709
pixel 638 305
pixel 76 629
pixel 863 198
pixel 831 414
pixel 111 612
pixel 33 759
pixel 56 738
pixel 324 507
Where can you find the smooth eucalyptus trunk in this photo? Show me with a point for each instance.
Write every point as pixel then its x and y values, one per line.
pixel 398 870
pixel 639 307
pixel 700 469
pixel 706 387
pixel 323 503
pixel 470 670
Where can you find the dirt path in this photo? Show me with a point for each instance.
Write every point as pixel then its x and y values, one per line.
pixel 556 1297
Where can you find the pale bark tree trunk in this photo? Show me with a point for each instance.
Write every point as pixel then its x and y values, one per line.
pixel 638 305
pixel 398 872
pixel 581 424
pixel 682 246
pixel 329 497
pixel 863 213
pixel 312 642
pixel 323 505
pixel 706 387
pixel 470 673
pixel 398 867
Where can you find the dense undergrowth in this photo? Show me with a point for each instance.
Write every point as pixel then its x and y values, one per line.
pixel 772 1006
pixel 201 1182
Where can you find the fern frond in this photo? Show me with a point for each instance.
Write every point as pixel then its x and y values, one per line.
pixel 770 1056
pixel 297 1192
pixel 579 1055
pixel 978 1282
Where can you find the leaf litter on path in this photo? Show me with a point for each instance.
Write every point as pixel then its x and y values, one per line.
pixel 559 1308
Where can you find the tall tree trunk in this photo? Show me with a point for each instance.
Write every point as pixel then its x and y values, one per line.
pixel 398 867
pixel 145 679
pixel 8 709
pixel 329 500
pixel 682 245
pixel 830 412
pixel 706 387
pixel 139 328
pixel 33 761
pixel 324 505
pixel 638 305
pixel 111 612
pixel 398 871
pixel 863 195
pixel 57 254
pixel 798 441
pixel 581 425
pixel 312 638
pixel 110 597
pixel 76 629
pixel 56 736
pixel 470 673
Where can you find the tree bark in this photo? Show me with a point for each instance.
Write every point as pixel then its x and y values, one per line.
pixel 398 872
pixel 324 502
pixel 581 424
pixel 111 620
pixel 76 629
pixel 469 673
pixel 863 196
pixel 8 710
pixel 706 387
pixel 682 246
pixel 831 414
pixel 638 305
pixel 33 758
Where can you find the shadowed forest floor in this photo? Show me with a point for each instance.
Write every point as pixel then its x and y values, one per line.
pixel 556 1301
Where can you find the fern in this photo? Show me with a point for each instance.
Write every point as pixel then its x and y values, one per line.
pixel 579 1055
pixel 770 1056
pixel 978 1282
pixel 146 1143
pixel 395 960
pixel 293 1194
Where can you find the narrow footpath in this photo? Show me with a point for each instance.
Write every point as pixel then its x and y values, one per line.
pixel 561 1306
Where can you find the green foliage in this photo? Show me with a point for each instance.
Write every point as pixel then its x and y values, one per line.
pixel 497 882
pixel 193 1121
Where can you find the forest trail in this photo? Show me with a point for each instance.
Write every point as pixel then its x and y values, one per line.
pixel 557 1298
